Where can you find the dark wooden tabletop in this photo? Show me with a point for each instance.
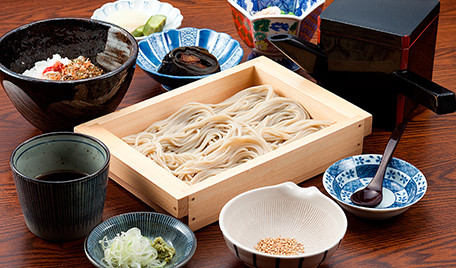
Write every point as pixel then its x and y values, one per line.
pixel 424 236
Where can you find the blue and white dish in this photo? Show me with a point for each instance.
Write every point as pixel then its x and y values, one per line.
pixel 150 7
pixel 153 49
pixel 403 185
pixel 152 224
pixel 254 25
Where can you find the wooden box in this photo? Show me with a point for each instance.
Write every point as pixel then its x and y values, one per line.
pixel 199 205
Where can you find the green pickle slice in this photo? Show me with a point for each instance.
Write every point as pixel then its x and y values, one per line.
pixel 138 32
pixel 154 24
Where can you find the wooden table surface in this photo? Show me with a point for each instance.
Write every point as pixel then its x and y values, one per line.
pixel 424 236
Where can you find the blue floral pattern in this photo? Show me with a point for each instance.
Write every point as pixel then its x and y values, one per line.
pixel 401 196
pixel 346 176
pixel 153 49
pixel 189 36
pixel 420 182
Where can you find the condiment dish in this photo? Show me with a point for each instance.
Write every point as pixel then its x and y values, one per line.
pixel 148 7
pixel 52 105
pixel 288 211
pixel 153 49
pixel 151 224
pixel 403 186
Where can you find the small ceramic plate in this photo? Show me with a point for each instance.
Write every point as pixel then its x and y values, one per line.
pixel 152 224
pixel 153 49
pixel 149 7
pixel 403 186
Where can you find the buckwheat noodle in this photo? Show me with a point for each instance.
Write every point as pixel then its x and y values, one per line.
pixel 201 140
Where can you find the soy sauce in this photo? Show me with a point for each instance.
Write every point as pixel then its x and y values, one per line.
pixel 61 175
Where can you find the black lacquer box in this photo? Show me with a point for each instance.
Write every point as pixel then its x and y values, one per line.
pixel 378 54
pixel 379 37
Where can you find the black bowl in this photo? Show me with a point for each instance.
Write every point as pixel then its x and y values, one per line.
pixel 60 105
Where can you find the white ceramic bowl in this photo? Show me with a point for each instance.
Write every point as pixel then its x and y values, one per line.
pixel 150 7
pixel 285 210
pixel 403 186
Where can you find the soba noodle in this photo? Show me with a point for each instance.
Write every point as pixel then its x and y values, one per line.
pixel 201 140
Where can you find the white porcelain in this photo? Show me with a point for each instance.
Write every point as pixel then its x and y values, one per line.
pixel 150 7
pixel 285 210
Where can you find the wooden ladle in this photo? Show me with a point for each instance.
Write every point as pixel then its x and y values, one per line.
pixel 371 195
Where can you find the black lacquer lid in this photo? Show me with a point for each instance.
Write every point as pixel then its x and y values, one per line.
pixel 380 21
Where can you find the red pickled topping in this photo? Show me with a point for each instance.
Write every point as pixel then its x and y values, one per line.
pixel 57 67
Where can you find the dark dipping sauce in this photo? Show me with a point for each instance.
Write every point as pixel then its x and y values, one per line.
pixel 61 175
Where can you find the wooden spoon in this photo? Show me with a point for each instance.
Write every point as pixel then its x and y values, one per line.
pixel 371 195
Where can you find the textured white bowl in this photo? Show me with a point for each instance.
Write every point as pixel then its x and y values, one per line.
pixel 285 210
pixel 150 7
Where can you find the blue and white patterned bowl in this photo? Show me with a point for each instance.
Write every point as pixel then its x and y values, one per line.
pixel 403 186
pixel 149 7
pixel 254 29
pixel 152 224
pixel 153 49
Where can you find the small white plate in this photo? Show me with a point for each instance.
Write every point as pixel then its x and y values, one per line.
pixel 149 7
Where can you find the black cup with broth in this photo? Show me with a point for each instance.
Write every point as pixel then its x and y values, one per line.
pixel 61 180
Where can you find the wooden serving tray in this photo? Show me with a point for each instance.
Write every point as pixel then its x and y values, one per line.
pixel 199 205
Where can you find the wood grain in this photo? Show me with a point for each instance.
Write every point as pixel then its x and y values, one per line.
pixel 424 236
pixel 199 205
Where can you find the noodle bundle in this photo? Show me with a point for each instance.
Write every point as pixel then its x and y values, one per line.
pixel 201 140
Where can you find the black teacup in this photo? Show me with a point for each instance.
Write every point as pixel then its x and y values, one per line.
pixel 61 180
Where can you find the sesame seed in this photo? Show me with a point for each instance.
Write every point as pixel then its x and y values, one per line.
pixel 280 246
